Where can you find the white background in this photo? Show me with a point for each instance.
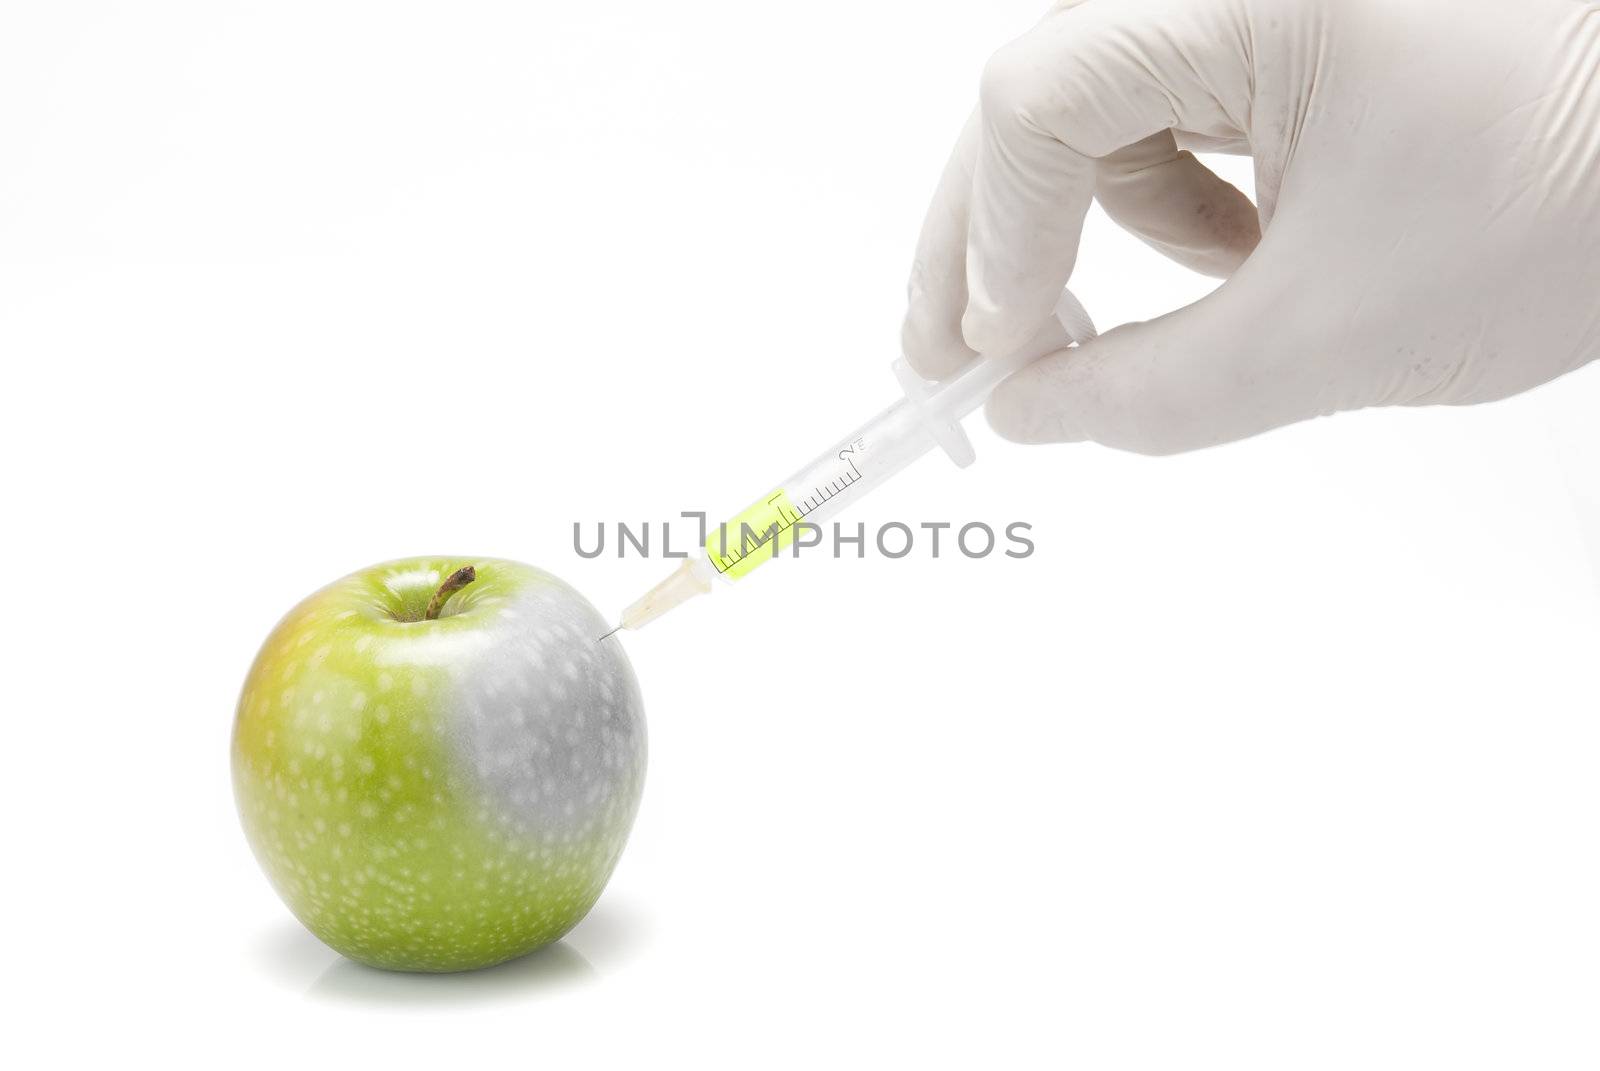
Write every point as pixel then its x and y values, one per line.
pixel 1280 755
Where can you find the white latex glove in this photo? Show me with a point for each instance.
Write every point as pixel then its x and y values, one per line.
pixel 1429 223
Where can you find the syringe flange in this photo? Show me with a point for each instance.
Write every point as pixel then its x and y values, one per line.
pixel 949 434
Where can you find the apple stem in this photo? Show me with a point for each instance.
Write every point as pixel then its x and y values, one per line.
pixel 452 584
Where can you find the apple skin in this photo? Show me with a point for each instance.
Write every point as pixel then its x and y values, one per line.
pixel 439 795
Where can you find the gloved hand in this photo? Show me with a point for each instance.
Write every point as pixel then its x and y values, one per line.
pixel 1428 231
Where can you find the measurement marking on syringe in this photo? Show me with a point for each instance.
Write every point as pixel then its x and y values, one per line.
pixel 821 494
pixel 728 558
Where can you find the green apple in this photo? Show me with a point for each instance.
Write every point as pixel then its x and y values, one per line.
pixel 438 766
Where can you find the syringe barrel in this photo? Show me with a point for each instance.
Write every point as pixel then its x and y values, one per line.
pixel 900 434
pixel 818 491
pixel 854 465
pixel 877 450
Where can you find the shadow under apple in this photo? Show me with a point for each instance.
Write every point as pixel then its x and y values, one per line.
pixel 611 934
pixel 553 967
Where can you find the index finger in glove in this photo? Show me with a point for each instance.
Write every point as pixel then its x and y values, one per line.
pixel 1085 82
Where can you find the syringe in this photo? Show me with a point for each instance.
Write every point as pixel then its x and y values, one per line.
pixel 929 415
